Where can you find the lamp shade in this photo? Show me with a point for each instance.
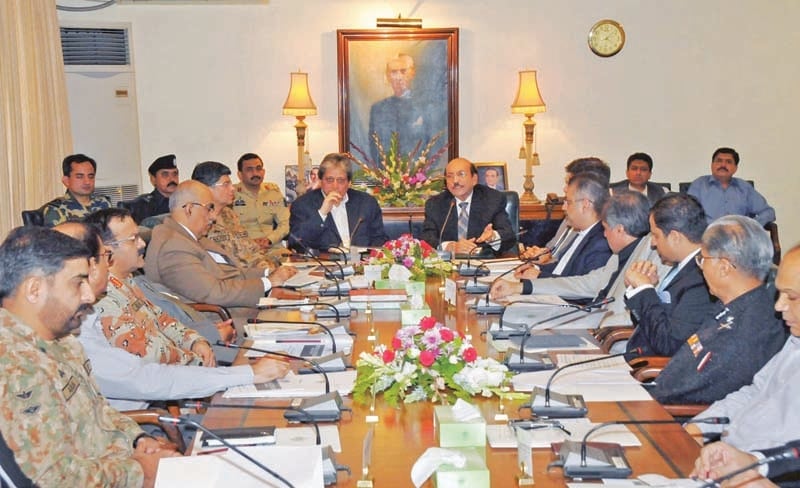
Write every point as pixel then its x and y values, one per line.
pixel 299 102
pixel 529 100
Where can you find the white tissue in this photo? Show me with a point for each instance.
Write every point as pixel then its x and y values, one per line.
pixel 430 461
pixel 465 411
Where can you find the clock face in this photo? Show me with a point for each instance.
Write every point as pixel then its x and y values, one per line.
pixel 606 38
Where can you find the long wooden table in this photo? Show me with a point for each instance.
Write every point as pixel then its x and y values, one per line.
pixel 403 434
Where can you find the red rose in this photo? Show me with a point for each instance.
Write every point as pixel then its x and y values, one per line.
pixel 446 334
pixel 388 356
pixel 427 358
pixel 470 354
pixel 427 323
pixel 396 343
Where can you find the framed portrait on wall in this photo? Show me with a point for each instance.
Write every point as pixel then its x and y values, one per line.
pixel 493 175
pixel 291 178
pixel 402 81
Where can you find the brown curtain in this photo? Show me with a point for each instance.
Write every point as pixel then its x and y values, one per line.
pixel 34 116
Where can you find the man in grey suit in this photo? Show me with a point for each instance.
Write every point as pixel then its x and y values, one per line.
pixel 639 171
pixel 181 258
pixel 625 220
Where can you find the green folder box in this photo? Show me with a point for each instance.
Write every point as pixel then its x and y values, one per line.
pixel 474 474
pixel 453 433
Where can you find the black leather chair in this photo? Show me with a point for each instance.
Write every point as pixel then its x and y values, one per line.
pixel 512 208
pixel 35 217
pixel 666 185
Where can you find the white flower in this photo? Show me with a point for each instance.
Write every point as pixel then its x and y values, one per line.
pixel 453 359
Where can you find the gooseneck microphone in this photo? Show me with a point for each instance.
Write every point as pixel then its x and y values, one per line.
pixel 328 273
pixel 503 275
pixel 611 459
pixel 355 229
pixel 197 405
pixel 185 421
pixel 788 453
pixel 446 219
pixel 314 365
pixel 316 324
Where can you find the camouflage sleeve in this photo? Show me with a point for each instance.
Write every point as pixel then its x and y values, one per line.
pixel 54 215
pixel 54 448
pixel 180 334
pixel 281 219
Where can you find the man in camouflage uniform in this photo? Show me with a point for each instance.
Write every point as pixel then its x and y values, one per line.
pixel 79 171
pixel 62 431
pixel 164 178
pixel 261 206
pixel 129 320
pixel 227 230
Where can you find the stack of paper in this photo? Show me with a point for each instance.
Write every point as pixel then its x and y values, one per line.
pixel 296 386
pixel 504 436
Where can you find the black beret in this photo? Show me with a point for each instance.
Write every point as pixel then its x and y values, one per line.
pixel 164 162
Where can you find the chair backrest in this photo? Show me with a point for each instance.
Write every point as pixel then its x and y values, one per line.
pixel 683 186
pixel 126 204
pixel 512 209
pixel 667 186
pixel 33 217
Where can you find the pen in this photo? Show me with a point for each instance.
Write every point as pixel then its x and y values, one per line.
pixel 213 451
pixel 704 361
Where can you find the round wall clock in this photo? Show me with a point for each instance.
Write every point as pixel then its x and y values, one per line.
pixel 606 38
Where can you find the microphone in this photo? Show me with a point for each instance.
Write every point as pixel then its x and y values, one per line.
pixel 340 252
pixel 328 274
pixel 787 453
pixel 470 271
pixel 527 333
pixel 478 288
pixel 574 405
pixel 318 324
pixel 500 240
pixel 355 229
pixel 306 304
pixel 446 219
pixel 197 405
pixel 611 457
pixel 185 421
pixel 489 309
pixel 314 365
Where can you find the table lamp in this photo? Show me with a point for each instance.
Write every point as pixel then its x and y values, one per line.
pixel 299 104
pixel 528 102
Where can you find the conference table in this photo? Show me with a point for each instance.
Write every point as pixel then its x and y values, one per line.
pixel 402 434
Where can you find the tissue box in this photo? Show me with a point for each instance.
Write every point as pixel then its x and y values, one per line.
pixel 453 433
pixel 411 287
pixel 474 474
pixel 412 316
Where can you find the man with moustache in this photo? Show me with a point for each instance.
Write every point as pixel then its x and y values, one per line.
pixel 261 205
pixel 666 312
pixel 80 200
pixel 128 380
pixel 164 178
pixel 762 414
pixel 62 431
pixel 227 230
pixel 467 214
pixel 335 214
pixel 181 258
pixel 722 194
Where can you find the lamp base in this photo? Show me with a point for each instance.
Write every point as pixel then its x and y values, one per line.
pixel 528 196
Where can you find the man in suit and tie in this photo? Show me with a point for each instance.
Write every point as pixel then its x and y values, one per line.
pixel 335 214
pixel 666 313
pixel 181 258
pixel 585 197
pixel 467 214
pixel 639 170
pixel 625 220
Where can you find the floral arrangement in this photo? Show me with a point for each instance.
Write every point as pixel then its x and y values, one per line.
pixel 426 362
pixel 417 256
pixel 403 180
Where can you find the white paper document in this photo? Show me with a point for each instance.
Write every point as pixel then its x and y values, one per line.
pixel 231 469
pixel 596 385
pixel 296 386
pixel 503 436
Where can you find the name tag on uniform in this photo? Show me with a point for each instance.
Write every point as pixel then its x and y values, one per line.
pixel 695 345
pixel 218 258
pixel 270 204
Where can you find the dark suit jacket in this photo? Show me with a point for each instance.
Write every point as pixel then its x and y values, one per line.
pixel 488 206
pixel 148 205
pixel 654 192
pixel 661 328
pixel 306 224
pixel 592 253
pixel 783 466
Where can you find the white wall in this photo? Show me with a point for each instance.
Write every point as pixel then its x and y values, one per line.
pixel 694 75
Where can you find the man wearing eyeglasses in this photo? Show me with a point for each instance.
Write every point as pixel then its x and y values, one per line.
pixel 335 215
pixel 181 258
pixel 741 333
pixel 467 215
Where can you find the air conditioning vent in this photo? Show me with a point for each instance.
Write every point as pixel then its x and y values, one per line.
pixel 96 47
pixel 118 193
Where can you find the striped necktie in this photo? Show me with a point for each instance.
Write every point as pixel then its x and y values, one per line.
pixel 463 221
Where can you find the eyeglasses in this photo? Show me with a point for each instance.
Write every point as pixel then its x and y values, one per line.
pixel 699 259
pixel 107 254
pixel 452 176
pixel 119 242
pixel 224 184
pixel 208 206
pixel 330 180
